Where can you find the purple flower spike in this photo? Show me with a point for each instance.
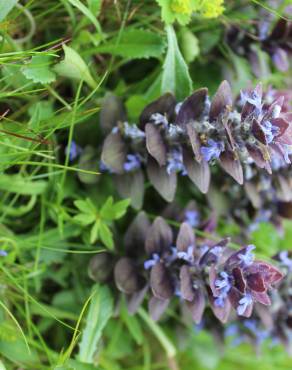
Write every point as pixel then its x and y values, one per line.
pixel 213 150
pixel 74 151
pixel 3 253
pixel 151 262
pixel 133 163
pixel 247 258
pixel 252 97
pixel 244 303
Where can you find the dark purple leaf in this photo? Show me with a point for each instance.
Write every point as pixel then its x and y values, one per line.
pixel 221 100
pixel 164 183
pixel 258 132
pixel 281 124
pixel 131 185
pixel 159 237
pixel 239 281
pixel 261 298
pixel 155 144
pixel 285 209
pixel 192 108
pixel 160 282
pixel 114 152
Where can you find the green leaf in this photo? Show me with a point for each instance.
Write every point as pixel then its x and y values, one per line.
pixel 100 311
pixel 74 67
pixel 133 325
pixel 94 6
pixel 84 218
pixel 134 44
pixel 107 211
pixel 21 185
pixel 84 206
pixel 106 235
pixel 5 7
pixel 175 76
pixel 120 208
pixel 189 45
pixel 38 70
pixel 87 12
pixel 95 231
pixel 266 238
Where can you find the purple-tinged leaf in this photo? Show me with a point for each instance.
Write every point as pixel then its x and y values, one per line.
pixel 256 282
pixel 157 307
pixel 239 281
pixel 222 313
pixel 258 132
pixel 164 105
pixel 127 277
pixel 111 112
pixel 235 297
pixel 155 144
pixel 199 173
pixel 192 108
pixel 185 238
pixel 159 237
pixel 160 282
pixel 195 142
pixel 262 298
pixel 135 300
pixel 186 283
pixel 137 232
pixel 131 185
pixel 232 166
pixel 114 152
pixel 197 306
pixel 221 101
pixel 270 274
pixel 281 124
pixel 257 156
pixel 164 183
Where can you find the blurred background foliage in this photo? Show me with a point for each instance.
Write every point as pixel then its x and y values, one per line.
pixel 59 59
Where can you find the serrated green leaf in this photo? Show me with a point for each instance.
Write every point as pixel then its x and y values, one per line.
pixel 106 235
pixel 175 76
pixel 134 44
pixel 74 67
pixel 100 311
pixel 38 70
pixel 5 7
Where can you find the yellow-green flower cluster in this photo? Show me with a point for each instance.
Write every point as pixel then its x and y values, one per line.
pixel 182 10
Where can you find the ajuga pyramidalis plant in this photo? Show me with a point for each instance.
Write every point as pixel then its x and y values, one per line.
pixel 243 134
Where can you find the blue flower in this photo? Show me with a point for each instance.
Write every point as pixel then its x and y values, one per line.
pixel 269 130
pixel 192 218
pixel 133 162
pixel 175 162
pixel 188 255
pixel 223 285
pixel 159 119
pixel 285 260
pixel 243 304
pixel 3 253
pixel 133 131
pixel 252 97
pixel 247 258
pixel 74 151
pixel 152 261
pixel 213 150
pixel 174 130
